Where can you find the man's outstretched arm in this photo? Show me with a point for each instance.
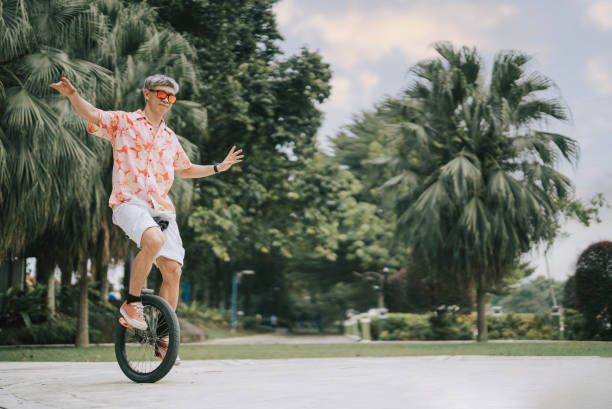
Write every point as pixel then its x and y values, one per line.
pixel 83 108
pixel 200 171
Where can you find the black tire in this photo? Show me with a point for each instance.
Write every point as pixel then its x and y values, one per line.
pixel 162 320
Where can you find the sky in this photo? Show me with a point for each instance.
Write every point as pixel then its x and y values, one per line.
pixel 371 46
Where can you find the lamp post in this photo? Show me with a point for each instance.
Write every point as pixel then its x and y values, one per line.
pixel 235 281
pixel 383 282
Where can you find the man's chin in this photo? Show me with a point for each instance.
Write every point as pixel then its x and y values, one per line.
pixel 163 109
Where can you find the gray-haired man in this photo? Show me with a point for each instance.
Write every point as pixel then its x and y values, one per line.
pixel 146 154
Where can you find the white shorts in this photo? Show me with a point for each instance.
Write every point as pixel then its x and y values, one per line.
pixel 134 217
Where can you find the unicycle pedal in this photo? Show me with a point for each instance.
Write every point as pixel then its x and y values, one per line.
pixel 123 322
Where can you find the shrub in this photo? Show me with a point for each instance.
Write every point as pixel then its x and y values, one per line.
pixel 445 324
pixel 102 322
pixel 25 320
pixel 593 285
pixel 20 308
pixel 60 329
pixel 574 325
pixel 208 315
pixel 402 327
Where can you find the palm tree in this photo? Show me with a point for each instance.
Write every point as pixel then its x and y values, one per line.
pixel 55 182
pixel 45 162
pixel 51 193
pixel 476 179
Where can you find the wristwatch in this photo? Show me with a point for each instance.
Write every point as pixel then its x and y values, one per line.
pixel 215 168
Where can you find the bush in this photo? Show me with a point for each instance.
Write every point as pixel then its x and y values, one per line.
pixel 25 319
pixel 574 325
pixel 20 308
pixel 447 325
pixel 401 327
pixel 593 283
pixel 200 312
pixel 102 322
pixel 60 329
pixel 522 326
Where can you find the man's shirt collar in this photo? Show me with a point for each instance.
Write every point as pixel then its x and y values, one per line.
pixel 141 115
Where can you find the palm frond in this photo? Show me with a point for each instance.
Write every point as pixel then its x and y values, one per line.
pixel 464 176
pixel 15 29
pixel 536 110
pixel 567 146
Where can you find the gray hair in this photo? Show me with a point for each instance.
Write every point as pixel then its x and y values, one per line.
pixel 159 79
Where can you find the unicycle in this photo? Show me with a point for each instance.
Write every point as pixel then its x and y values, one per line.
pixel 137 351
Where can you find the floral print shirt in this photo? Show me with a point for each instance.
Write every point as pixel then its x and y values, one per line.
pixel 144 163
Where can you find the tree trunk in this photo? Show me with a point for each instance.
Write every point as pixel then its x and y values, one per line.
pixel 206 299
pixel 66 269
pixel 126 276
pixel 127 265
pixel 483 335
pixel 66 276
pixel 82 339
pixel 51 293
pixel 103 277
pixel 102 260
pixel 45 273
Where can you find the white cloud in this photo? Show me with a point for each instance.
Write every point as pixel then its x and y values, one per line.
pixel 284 11
pixel 341 94
pixel 367 83
pixel 600 13
pixel 361 35
pixel 599 75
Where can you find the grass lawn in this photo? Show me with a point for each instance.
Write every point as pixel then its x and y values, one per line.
pixel 214 333
pixel 188 352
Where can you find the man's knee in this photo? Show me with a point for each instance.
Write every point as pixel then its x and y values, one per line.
pixel 171 270
pixel 152 240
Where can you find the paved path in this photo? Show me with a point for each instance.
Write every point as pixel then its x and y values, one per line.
pixel 440 382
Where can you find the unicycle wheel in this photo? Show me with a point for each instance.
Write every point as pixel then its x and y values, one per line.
pixel 138 351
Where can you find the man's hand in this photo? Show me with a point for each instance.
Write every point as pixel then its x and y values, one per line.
pixel 231 158
pixel 64 87
pixel 83 108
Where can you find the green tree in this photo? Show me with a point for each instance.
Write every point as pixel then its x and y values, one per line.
pixel 476 175
pixel 593 286
pixel 266 104
pixel 365 146
pixel 533 297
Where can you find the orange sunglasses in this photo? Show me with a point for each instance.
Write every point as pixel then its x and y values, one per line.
pixel 163 95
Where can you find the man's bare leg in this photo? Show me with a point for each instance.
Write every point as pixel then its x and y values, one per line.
pixel 151 242
pixel 171 274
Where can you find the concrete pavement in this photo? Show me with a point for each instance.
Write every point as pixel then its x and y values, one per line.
pixel 437 382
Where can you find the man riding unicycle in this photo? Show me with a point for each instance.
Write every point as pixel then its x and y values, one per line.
pixel 146 154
